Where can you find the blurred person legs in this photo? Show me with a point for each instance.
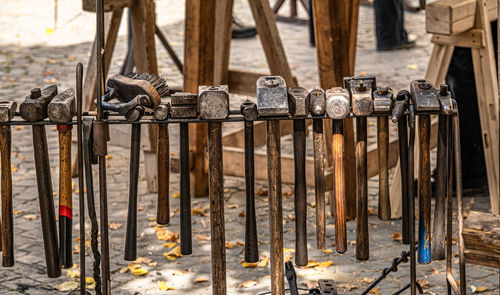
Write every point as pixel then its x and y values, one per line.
pixel 389 26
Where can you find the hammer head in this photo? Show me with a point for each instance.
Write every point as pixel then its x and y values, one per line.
pixel 337 103
pixel 62 108
pixel 214 102
pixel 249 110
pixel 382 100
pixel 272 97
pixel 184 105
pixel 162 111
pixel 298 100
pixel 424 96
pixel 445 100
pixel 361 89
pixel 7 110
pixel 34 106
pixel 400 105
pixel 317 101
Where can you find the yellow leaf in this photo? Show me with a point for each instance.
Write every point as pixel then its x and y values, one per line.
pixel 164 287
pixel 52 61
pixel 263 262
pixel 396 236
pixel 169 245
pixel 198 211
pixel 315 264
pixel 233 206
pixel 362 73
pixel 481 289
pixel 18 212
pixel 67 286
pixel 114 225
pixel 328 251
pixel 288 250
pixel 71 274
pixel 367 280
pixel 166 234
pixel 13 168
pixel 173 254
pixel 30 216
pixel 70 58
pixel 123 269
pixel 140 260
pixel 371 212
pixel 248 284
pixel 230 245
pixel 412 67
pixel 176 195
pixel 204 238
pixel 19 128
pixel 49 32
pixel 249 264
pixel 138 271
pixel 375 291
pixel 200 280
pixel 90 283
pixel 178 272
pixel 109 157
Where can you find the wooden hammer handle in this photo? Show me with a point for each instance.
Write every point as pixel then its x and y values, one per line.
pixel 319 182
pixel 339 174
pixel 7 228
pixel 424 191
pixel 384 203
pixel 362 242
pixel 163 206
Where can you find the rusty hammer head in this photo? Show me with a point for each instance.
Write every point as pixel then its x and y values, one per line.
pixel 337 103
pixel 272 97
pixel 424 96
pixel 184 105
pixel 361 89
pixel 62 108
pixel 400 105
pixel 213 102
pixel 317 103
pixel 249 110
pixel 162 111
pixel 34 106
pixel 298 100
pixel 382 100
pixel 7 110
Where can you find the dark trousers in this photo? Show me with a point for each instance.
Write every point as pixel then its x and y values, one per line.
pixel 389 24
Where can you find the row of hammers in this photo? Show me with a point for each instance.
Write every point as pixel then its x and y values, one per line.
pixel 133 94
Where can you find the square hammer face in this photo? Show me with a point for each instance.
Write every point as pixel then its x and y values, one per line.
pixel 62 108
pixel 214 102
pixel 184 105
pixel 298 100
pixel 272 97
pixel 34 106
pixel 361 94
pixel 7 110
pixel 382 100
pixel 424 96
pixel 337 103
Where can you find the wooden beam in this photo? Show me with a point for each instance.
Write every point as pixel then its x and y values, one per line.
pixel 242 82
pixel 223 25
pixel 473 39
pixel 109 5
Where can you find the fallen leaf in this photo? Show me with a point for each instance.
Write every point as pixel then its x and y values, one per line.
pixel 367 280
pixel 164 287
pixel 233 206
pixel 263 262
pixel 347 287
pixel 198 211
pixel 138 271
pixel 173 254
pixel 396 236
pixel 248 284
pixel 328 251
pixel 291 216
pixel 166 234
pixel 424 284
pixel 203 238
pixel 19 128
pixel 475 289
pixel 48 73
pixel 114 225
pixel 178 272
pixel 287 193
pixel 288 250
pixel 18 212
pixel 230 245
pixel 200 280
pixel 176 195
pixel 315 264
pixel 249 264
pixel 123 269
pixel 52 61
pixel 169 245
pixel 30 217
pixel 67 286
pixel 140 260
pixel 49 32
pixel 242 214
pixel 14 169
pixel 140 208
pixel 362 73
pixel 371 212
pixel 239 243
pixel 412 67
pixel 70 58
pixel 375 291
pixel 263 192
pixel 72 274
pixel 90 283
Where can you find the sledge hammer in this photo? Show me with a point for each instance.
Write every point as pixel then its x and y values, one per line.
pixel 161 114
pixel 214 105
pixel 62 110
pixel 34 109
pixel 272 100
pixel 7 111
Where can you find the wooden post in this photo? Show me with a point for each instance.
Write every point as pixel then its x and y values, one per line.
pixel 199 70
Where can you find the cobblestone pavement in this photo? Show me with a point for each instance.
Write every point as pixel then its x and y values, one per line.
pixel 32 54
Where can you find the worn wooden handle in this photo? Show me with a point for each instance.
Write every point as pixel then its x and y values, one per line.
pixel 131 232
pixel 362 242
pixel 299 150
pixel 338 164
pixel 163 206
pixel 319 182
pixel 7 228
pixel 275 206
pixel 424 191
pixel 403 162
pixel 65 197
pixel 251 243
pixel 185 179
pixel 384 202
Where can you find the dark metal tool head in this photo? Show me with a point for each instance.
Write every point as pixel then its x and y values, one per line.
pixel 214 102
pixel 249 110
pixel 162 111
pixel 272 97
pixel 126 88
pixel 7 110
pixel 361 89
pixel 424 96
pixel 382 100
pixel 135 114
pixel 184 105
pixel 337 103
pixel 445 100
pixel 317 104
pixel 298 100
pixel 62 108
pixel 34 106
pixel 400 105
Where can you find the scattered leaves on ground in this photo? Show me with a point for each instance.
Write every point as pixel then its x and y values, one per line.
pixel 16 212
pixel 173 254
pixel 115 225
pixel 165 234
pixel 248 284
pixel 164 287
pixel 198 211
pixel 169 245
pixel 90 282
pixel 67 286
pixel 72 274
pixel 262 263
pixel 137 270
pixel 316 264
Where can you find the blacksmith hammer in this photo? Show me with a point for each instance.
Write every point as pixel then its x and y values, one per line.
pixel 184 106
pixel 382 105
pixel 272 100
pixel 214 105
pixel 438 231
pixel 400 106
pixel 317 106
pixel 62 110
pixel 7 112
pixel 161 114
pixel 338 107
pixel 425 99
pixel 34 109
pixel 249 112
pixel 298 100
pixel 361 89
